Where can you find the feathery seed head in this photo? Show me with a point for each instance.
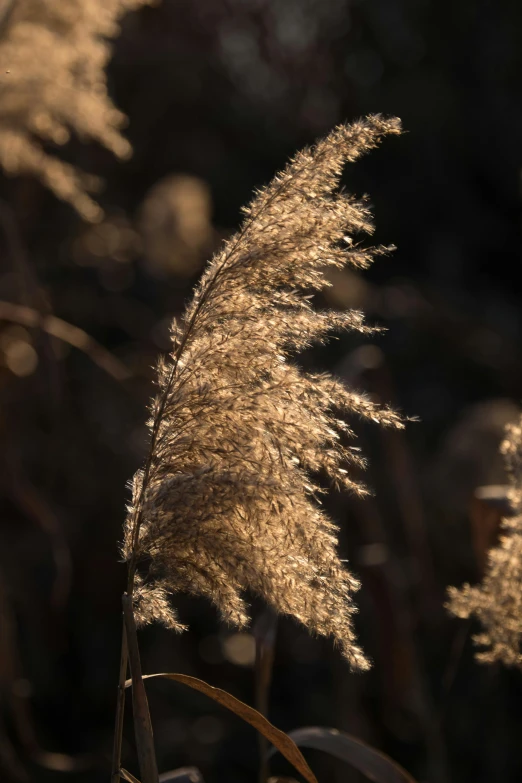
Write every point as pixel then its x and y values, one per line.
pixel 497 601
pixel 52 57
pixel 227 500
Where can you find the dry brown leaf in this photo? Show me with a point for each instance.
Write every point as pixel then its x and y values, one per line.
pixel 371 762
pixel 278 738
pixel 128 776
pixel 182 775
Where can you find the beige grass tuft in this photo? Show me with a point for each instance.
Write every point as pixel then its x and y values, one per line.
pixel 497 601
pixel 53 55
pixel 229 499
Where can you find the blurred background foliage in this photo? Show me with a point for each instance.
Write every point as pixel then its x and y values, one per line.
pixel 219 93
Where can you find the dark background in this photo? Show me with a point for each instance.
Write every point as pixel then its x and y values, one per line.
pixel 219 95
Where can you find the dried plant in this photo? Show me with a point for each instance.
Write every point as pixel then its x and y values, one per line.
pixel 175 224
pixel 229 498
pixel 52 59
pixel 497 601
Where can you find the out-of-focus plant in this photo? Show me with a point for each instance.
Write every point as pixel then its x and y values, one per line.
pixel 52 82
pixel 497 601
pixel 175 226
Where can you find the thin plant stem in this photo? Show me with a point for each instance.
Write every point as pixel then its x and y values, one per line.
pixel 265 633
pixel 67 333
pixel 120 708
pixel 262 707
pixel 140 704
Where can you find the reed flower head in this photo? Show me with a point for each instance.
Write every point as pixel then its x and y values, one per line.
pixel 53 55
pixel 497 601
pixel 229 499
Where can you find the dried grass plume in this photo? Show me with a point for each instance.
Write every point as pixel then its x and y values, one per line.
pixel 53 55
pixel 497 601
pixel 229 499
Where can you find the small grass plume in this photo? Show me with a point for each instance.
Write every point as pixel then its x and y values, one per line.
pixel 53 55
pixel 229 499
pixel 497 601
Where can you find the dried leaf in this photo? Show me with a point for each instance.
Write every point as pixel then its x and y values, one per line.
pixel 285 745
pixel 371 762
pixel 128 776
pixel 281 779
pixel 496 496
pixel 182 775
